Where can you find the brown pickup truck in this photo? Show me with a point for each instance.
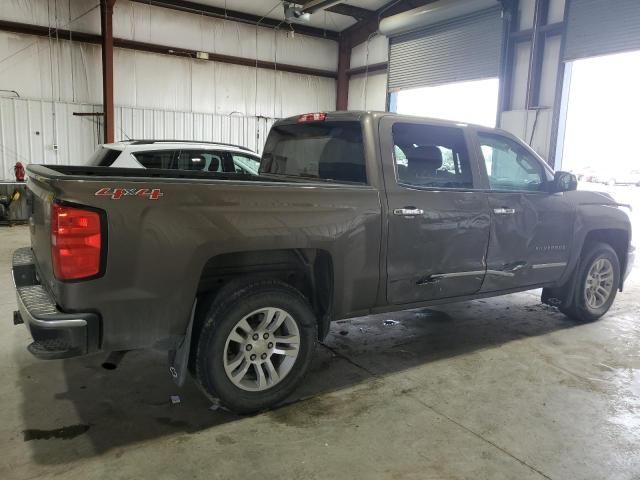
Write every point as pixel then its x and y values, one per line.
pixel 238 276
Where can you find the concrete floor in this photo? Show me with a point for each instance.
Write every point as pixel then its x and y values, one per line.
pixel 502 388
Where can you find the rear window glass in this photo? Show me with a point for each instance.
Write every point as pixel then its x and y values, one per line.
pixel 103 157
pixel 321 150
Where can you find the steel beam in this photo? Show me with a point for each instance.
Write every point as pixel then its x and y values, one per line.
pixel 242 17
pixel 373 68
pixel 313 6
pixel 62 34
pixel 342 85
pixel 106 28
pixel 537 54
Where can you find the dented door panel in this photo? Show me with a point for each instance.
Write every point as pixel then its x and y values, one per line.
pixel 531 236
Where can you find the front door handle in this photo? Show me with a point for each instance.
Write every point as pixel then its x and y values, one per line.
pixel 408 211
pixel 504 211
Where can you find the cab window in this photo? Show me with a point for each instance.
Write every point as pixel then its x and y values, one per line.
pixel 510 167
pixel 330 151
pixel 431 156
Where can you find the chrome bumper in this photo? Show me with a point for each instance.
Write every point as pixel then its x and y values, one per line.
pixel 56 334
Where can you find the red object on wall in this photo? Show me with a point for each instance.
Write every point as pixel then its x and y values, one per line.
pixel 19 171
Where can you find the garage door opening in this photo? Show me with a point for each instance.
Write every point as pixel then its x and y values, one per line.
pixel 471 102
pixel 599 126
pixel 601 104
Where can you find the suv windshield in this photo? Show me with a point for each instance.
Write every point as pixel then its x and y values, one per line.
pixel 103 157
pixel 322 150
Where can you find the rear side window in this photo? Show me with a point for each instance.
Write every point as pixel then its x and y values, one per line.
pixel 158 159
pixel 431 156
pixel 103 157
pixel 199 160
pixel 320 150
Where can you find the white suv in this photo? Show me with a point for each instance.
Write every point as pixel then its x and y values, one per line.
pixel 176 155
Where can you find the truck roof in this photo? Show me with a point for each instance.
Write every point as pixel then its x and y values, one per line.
pixel 357 115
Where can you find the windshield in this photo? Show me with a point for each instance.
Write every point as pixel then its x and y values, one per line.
pixel 103 157
pixel 322 150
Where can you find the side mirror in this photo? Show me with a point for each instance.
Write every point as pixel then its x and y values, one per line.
pixel 564 182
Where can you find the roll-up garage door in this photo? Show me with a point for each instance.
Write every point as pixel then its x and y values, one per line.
pixel 601 27
pixel 466 48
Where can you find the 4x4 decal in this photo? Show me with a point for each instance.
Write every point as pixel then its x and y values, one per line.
pixel 118 193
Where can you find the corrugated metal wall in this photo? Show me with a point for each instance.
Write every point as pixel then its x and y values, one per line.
pixel 39 131
pixel 141 123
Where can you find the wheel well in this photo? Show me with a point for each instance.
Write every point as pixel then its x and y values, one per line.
pixel 618 239
pixel 308 270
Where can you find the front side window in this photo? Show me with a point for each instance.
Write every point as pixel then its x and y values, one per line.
pixel 431 156
pixel 319 150
pixel 509 166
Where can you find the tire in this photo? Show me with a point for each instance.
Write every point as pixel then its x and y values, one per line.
pixel 229 355
pixel 584 308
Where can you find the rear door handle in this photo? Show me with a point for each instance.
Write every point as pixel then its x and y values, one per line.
pixel 504 211
pixel 408 211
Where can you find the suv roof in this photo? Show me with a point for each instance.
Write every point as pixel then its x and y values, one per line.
pixel 145 144
pixel 199 142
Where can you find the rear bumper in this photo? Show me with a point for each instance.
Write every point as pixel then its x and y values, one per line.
pixel 56 334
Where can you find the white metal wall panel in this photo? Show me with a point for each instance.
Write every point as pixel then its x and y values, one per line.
pixel 36 131
pixel 151 24
pixel 375 50
pixel 601 27
pixel 467 48
pixel 368 92
pixel 242 130
pixel 66 72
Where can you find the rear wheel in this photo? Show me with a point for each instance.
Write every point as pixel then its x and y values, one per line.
pixel 255 346
pixel 597 282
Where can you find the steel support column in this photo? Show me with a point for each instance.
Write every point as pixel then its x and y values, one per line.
pixel 342 85
pixel 106 24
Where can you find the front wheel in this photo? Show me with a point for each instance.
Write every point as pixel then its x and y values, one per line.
pixel 256 345
pixel 597 282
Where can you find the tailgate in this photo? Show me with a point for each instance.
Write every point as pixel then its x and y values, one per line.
pixel 42 195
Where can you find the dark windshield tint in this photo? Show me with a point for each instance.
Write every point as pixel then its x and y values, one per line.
pixel 323 150
pixel 103 157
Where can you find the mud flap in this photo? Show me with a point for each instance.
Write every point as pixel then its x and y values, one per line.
pixel 179 358
pixel 562 296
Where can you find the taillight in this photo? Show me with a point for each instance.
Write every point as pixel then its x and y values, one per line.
pixel 76 241
pixel 312 117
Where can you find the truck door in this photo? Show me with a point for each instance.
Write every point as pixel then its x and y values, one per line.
pixel 438 225
pixel 531 228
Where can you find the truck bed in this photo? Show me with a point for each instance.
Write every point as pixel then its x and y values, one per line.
pixel 196 220
pixel 62 171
